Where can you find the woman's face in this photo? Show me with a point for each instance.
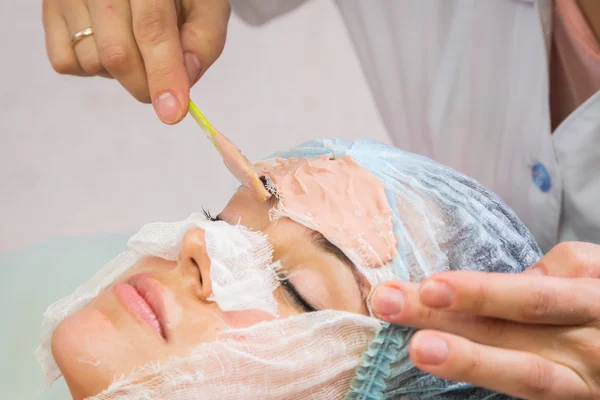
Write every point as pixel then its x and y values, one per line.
pixel 119 331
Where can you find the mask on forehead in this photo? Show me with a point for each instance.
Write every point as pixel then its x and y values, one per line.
pixel 296 357
pixel 341 200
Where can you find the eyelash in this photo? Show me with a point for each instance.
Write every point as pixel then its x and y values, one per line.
pixel 295 295
pixel 209 216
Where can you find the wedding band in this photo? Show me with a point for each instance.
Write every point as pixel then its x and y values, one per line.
pixel 81 35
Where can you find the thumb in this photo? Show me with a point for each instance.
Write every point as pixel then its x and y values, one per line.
pixel 203 35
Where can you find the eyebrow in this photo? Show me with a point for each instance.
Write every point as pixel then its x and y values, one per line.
pixel 324 244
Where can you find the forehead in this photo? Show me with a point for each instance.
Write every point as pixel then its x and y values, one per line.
pixel 341 200
pixel 245 209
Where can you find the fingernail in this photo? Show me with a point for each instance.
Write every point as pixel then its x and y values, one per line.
pixel 431 349
pixel 535 271
pixel 387 301
pixel 192 65
pixel 436 294
pixel 168 108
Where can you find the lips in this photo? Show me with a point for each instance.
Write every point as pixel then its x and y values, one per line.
pixel 143 297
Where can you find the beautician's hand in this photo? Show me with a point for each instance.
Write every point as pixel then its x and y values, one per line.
pixel 534 335
pixel 156 49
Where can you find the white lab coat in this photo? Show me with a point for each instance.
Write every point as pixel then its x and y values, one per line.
pixel 466 82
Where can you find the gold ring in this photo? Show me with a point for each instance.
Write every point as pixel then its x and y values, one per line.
pixel 81 35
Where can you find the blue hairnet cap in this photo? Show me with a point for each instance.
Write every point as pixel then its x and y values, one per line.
pixel 443 220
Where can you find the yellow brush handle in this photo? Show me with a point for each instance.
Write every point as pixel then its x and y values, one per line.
pixel 242 169
pixel 206 126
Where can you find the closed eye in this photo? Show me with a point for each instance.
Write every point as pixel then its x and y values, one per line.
pixel 295 296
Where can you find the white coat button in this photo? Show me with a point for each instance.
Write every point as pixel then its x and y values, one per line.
pixel 541 177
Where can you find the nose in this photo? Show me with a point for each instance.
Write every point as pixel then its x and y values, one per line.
pixel 193 260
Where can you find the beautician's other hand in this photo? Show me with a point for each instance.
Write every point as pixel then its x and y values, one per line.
pixel 156 49
pixel 534 335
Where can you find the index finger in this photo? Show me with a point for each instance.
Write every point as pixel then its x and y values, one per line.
pixel 515 297
pixel 157 35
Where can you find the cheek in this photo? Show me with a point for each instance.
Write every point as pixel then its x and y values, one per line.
pixel 99 343
pixel 81 357
pixel 246 318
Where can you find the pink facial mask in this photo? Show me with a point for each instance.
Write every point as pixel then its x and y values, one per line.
pixel 341 200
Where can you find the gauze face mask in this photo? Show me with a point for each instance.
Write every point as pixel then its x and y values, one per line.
pixel 426 217
pixel 241 273
pixel 266 357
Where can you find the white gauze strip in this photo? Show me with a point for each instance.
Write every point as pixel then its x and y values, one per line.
pixel 309 356
pixel 241 272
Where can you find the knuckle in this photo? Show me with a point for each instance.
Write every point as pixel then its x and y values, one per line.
pixel 211 37
pixel 480 299
pixel 562 248
pixel 113 56
pixel 210 40
pixel 470 370
pixel 64 66
pixel 540 303
pixel 150 27
pixel 572 254
pixel 538 380
pixel 426 316
pixel 216 41
pixel 159 71
pixel 91 65
pixel 576 259
pixel 578 256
